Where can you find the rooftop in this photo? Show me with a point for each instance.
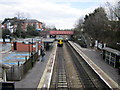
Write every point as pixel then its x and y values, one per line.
pixel 31 21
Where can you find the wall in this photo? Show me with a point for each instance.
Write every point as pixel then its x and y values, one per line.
pixel 21 47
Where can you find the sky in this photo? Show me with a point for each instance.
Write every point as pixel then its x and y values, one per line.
pixel 63 14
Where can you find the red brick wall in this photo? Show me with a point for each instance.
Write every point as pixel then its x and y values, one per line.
pixel 40 25
pixel 25 47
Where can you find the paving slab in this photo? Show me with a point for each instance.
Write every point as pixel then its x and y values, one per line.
pixel 33 76
pixel 99 65
pixel 96 57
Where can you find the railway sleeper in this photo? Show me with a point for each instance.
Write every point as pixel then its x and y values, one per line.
pixel 62 81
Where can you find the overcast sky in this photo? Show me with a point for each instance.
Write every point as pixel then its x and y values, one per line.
pixel 63 14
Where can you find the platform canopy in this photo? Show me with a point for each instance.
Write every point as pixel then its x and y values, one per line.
pixel 48 40
pixel 61 32
pixel 112 50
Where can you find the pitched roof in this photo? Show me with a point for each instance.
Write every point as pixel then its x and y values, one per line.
pixel 31 21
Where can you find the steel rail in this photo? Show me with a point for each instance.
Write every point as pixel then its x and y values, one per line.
pixel 87 76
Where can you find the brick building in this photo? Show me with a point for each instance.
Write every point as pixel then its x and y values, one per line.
pixel 26 45
pixel 32 22
pixel 11 24
pixel 31 45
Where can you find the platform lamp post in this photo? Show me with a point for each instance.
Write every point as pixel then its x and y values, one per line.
pixel 38 47
pixel 119 62
pixel 41 46
pixel 32 54
pixel 32 47
pixel 29 48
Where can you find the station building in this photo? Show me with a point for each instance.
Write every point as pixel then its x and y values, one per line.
pixel 31 45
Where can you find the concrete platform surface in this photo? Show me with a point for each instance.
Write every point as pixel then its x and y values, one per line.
pixel 33 77
pixel 108 73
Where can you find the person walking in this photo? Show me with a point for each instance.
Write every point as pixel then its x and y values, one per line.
pixel 42 54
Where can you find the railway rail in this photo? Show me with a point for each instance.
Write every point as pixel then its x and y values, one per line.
pixel 60 76
pixel 87 77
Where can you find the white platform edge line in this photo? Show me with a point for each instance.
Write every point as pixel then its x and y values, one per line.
pixel 97 68
pixel 42 80
pixel 52 67
pixel 91 66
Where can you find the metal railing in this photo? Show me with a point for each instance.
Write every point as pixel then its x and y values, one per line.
pixel 17 72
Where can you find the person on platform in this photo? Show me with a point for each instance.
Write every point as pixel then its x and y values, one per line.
pixel 42 54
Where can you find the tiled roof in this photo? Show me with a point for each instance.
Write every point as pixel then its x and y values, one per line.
pixel 31 21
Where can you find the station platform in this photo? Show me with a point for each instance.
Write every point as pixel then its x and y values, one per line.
pixel 34 76
pixel 108 73
pixel 47 75
pixel 40 76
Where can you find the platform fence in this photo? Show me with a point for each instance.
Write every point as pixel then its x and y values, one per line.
pixel 17 72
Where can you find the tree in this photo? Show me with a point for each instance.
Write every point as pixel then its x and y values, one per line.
pixel 114 10
pixel 5 34
pixel 31 31
pixel 50 27
pixel 20 15
pixel 23 34
pixel 18 20
pixel 18 30
pixel 96 23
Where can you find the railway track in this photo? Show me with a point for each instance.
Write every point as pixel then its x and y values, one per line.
pixel 60 76
pixel 87 77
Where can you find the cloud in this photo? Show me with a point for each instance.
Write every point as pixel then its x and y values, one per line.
pixel 79 0
pixel 61 15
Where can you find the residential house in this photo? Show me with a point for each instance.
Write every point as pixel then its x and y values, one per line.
pixel 11 24
pixel 33 22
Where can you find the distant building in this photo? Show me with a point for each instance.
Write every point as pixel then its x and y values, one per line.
pixel 33 22
pixel 0 29
pixel 8 24
pixel 11 24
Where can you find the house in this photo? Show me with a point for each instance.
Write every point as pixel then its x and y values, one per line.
pixel 33 22
pixel 11 24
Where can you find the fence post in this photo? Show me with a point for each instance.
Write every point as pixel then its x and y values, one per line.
pixel 33 60
pixel 19 73
pixel 26 58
